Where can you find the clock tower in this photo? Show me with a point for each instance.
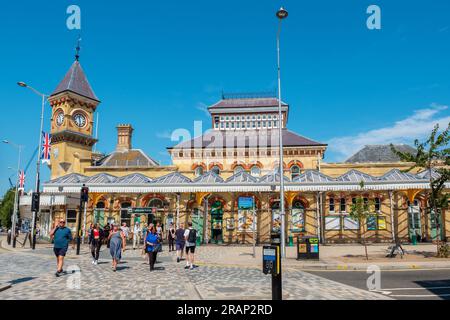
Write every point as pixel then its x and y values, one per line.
pixel 73 105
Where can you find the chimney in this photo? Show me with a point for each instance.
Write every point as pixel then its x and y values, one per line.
pixel 124 133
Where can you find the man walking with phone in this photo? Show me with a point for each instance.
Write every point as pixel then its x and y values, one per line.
pixel 61 236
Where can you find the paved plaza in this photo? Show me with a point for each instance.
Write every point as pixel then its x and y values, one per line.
pixel 32 277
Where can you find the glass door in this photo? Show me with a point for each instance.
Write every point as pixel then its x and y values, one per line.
pixel 415 228
pixel 197 224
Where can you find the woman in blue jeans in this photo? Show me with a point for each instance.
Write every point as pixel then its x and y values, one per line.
pixel 152 243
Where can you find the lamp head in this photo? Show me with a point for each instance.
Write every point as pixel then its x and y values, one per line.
pixel 22 84
pixel 282 13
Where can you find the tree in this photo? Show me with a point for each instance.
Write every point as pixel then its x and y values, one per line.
pixel 432 155
pixel 359 211
pixel 7 208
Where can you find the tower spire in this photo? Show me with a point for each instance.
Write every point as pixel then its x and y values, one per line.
pixel 77 54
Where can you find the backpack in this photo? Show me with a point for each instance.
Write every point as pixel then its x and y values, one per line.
pixel 192 237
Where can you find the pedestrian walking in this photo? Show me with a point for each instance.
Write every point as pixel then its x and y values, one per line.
pixel 125 230
pixel 106 231
pixel 95 242
pixel 136 236
pixel 151 246
pixel 190 236
pixel 171 237
pixel 180 241
pixel 61 236
pixel 160 233
pixel 144 233
pixel 117 245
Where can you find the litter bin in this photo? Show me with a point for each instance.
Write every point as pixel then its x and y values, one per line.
pixel 414 240
pixel 307 247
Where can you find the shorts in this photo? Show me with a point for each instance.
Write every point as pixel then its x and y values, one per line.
pixel 60 252
pixel 180 245
pixel 192 249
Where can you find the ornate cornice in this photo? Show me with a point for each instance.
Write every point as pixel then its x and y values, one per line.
pixel 71 136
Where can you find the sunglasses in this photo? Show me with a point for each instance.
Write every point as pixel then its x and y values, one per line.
pixel 63 222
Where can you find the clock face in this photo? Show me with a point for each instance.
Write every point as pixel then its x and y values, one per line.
pixel 79 119
pixel 59 118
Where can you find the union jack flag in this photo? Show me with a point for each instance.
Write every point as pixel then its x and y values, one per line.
pixel 21 180
pixel 46 147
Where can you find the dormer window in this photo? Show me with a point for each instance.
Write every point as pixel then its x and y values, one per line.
pixel 198 171
pixel 238 169
pixel 295 171
pixel 216 170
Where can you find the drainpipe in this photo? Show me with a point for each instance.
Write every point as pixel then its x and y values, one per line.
pixel 318 217
pixel 392 216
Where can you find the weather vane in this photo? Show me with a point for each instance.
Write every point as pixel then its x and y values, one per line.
pixel 77 55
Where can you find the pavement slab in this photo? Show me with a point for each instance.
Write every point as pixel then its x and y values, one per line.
pixel 31 275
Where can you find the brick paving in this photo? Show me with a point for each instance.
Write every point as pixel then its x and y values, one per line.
pixel 32 276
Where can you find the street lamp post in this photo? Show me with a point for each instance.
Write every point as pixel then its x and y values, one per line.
pixel 281 14
pixel 16 195
pixel 38 163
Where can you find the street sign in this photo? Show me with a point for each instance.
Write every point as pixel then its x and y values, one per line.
pixel 141 210
pixel 245 202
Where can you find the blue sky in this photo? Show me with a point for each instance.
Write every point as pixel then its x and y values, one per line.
pixel 157 64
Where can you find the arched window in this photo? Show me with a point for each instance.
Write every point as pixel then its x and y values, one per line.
pixel 216 170
pixel 295 171
pixel 255 171
pixel 377 205
pixel 99 213
pixel 198 171
pixel 100 205
pixel 156 203
pixel 331 204
pixel 297 222
pixel 238 169
pixel 343 205
pixel 125 216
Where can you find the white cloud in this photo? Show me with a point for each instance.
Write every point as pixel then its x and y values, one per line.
pixel 416 126
pixel 202 107
pixel 164 134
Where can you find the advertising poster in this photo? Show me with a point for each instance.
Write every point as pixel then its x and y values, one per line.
pixel 245 214
pixel 372 222
pixel 351 224
pixel 245 220
pixel 276 221
pixel 381 223
pixel 298 220
pixel 230 223
pixel 332 223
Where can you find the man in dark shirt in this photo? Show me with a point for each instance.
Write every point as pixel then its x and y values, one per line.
pixel 179 241
pixel 61 236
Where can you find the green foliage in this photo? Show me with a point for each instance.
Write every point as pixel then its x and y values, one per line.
pixel 433 154
pixel 361 209
pixel 7 208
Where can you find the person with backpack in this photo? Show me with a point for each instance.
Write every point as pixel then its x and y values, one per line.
pixel 190 236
